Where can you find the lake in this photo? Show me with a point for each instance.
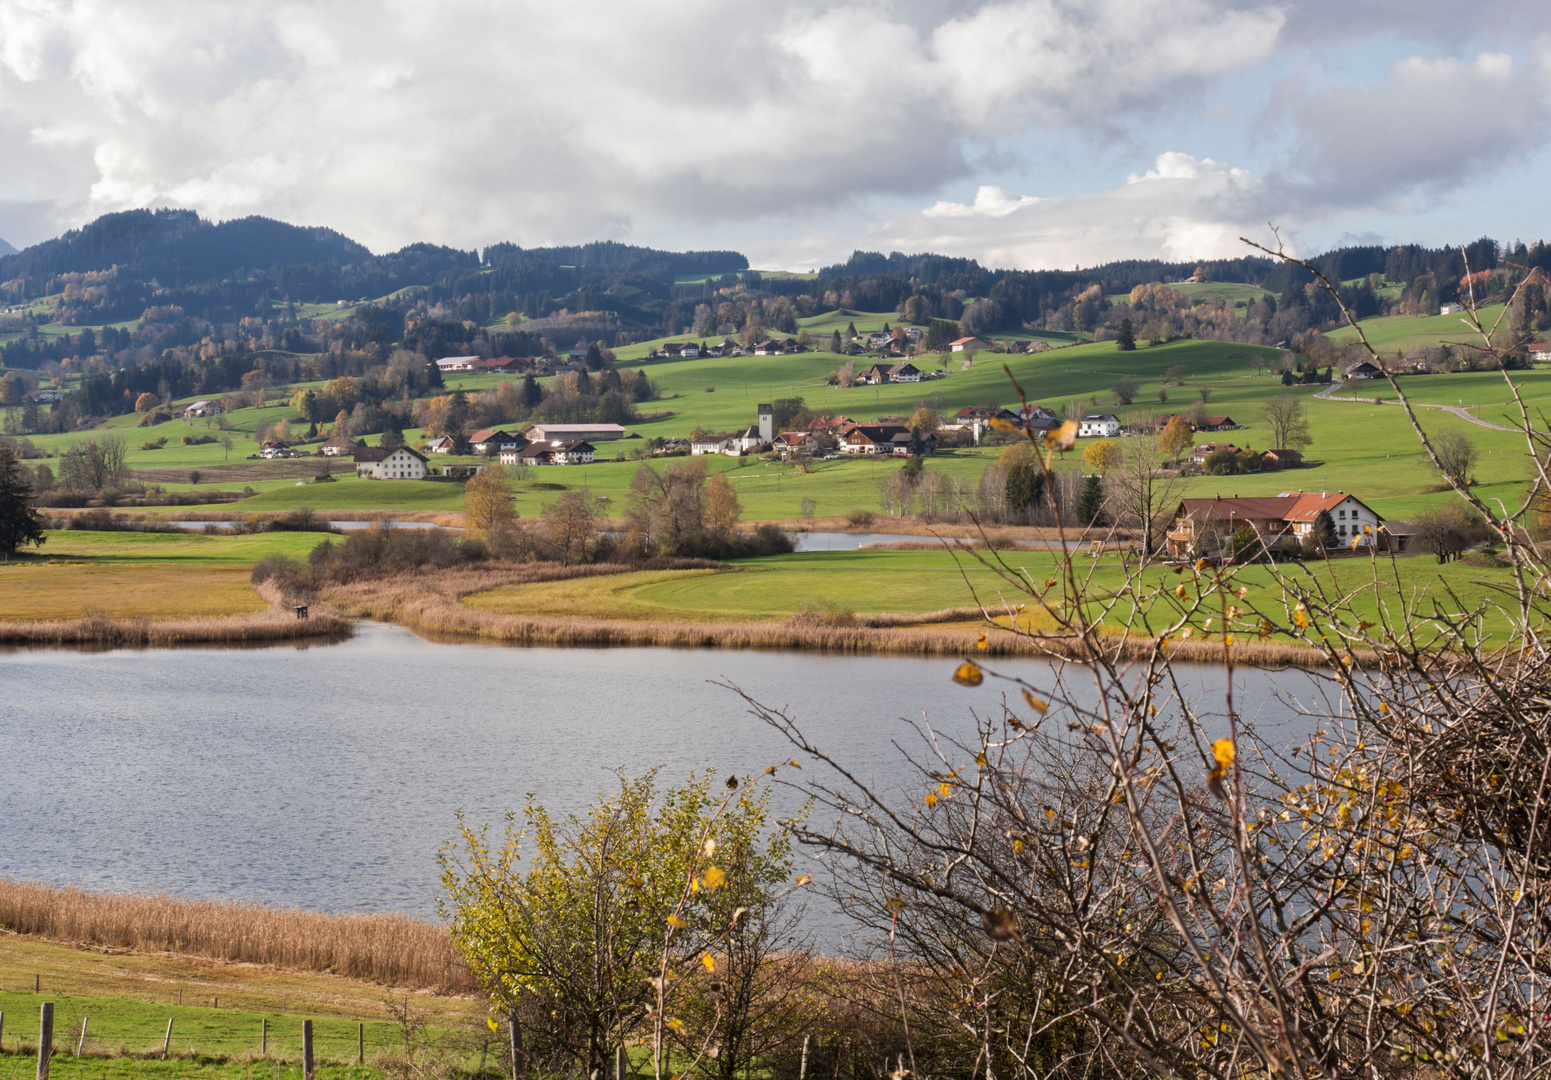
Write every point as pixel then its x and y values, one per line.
pixel 327 776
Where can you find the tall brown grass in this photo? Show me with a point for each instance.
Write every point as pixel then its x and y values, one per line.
pixel 431 603
pixel 277 623
pixel 395 950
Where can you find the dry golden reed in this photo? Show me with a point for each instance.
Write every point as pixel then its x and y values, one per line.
pixel 278 623
pixel 395 950
pixel 430 602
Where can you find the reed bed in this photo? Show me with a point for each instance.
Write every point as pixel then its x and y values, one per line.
pixel 431 603
pixel 391 949
pixel 277 623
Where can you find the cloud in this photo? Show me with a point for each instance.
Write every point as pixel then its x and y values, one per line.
pixel 1428 127
pixel 467 122
pixel 1182 208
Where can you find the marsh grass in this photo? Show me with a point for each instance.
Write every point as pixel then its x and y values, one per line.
pixel 99 630
pixel 392 949
pixel 432 604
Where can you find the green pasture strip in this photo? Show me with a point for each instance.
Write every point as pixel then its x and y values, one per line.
pixel 65 1067
pixel 1400 333
pixel 138 1027
pixel 912 581
pixel 924 581
pixel 134 547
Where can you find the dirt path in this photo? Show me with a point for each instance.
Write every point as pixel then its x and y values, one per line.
pixel 1329 394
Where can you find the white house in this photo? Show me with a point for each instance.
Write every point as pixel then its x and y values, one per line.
pixel 713 444
pixel 441 445
pixel 337 446
pixel 969 344
pixel 1538 350
pixel 1098 425
pixel 575 452
pixel 1449 309
pixel 380 463
pixel 459 363
pixel 199 408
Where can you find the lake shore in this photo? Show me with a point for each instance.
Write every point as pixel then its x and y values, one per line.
pixel 279 622
pixel 432 605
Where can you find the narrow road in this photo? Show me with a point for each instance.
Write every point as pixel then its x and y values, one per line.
pixel 1329 394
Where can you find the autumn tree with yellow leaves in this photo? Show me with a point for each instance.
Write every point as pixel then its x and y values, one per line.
pixel 615 927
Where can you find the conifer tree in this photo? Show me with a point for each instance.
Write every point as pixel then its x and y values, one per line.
pixel 19 522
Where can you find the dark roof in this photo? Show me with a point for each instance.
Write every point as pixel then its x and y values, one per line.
pixel 1285 452
pixel 878 433
pixel 367 454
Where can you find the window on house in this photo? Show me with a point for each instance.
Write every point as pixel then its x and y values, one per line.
pixel 1343 530
pixel 1340 513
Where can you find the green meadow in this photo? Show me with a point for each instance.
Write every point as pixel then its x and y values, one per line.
pixel 1402 333
pixel 1359 447
pixel 912 582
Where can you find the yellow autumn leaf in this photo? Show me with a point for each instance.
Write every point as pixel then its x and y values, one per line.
pixel 676 922
pixel 1227 639
pixel 677 1025
pixel 1201 564
pixel 490 1020
pixel 1223 751
pixel 1006 427
pixel 803 880
pixel 968 675
pixel 710 965
pixel 1034 703
pixel 1063 437
pixel 713 878
pixel 981 643
pixel 709 847
pixel 1181 592
pixel 930 800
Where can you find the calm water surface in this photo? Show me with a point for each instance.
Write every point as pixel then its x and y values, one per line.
pixel 328 776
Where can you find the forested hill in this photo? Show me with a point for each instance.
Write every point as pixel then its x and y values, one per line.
pixel 126 263
pixel 143 282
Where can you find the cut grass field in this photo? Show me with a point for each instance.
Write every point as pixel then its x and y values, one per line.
pixel 1402 333
pixel 216 1007
pixel 924 582
pixel 127 575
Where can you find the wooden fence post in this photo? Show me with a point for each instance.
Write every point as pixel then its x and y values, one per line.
pixel 360 1043
pixel 515 1032
pixel 45 1038
pixel 264 1036
pixel 80 1043
pixel 802 1070
pixel 621 1062
pixel 306 1050
pixel 167 1040
pixel 2 1029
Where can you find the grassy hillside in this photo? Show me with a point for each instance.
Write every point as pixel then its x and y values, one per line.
pixel 1402 333
pixel 1232 293
pixel 1361 448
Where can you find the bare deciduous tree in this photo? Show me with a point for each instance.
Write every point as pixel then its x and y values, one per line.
pixel 1288 420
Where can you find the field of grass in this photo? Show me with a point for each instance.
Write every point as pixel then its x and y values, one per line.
pixel 1232 293
pixel 1402 333
pixel 127 997
pixel 925 581
pixel 126 575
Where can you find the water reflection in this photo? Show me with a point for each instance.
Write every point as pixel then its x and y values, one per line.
pixel 328 777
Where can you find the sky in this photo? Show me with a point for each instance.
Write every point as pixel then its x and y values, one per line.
pixel 1024 133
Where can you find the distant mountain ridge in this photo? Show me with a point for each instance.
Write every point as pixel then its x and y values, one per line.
pixel 6 249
